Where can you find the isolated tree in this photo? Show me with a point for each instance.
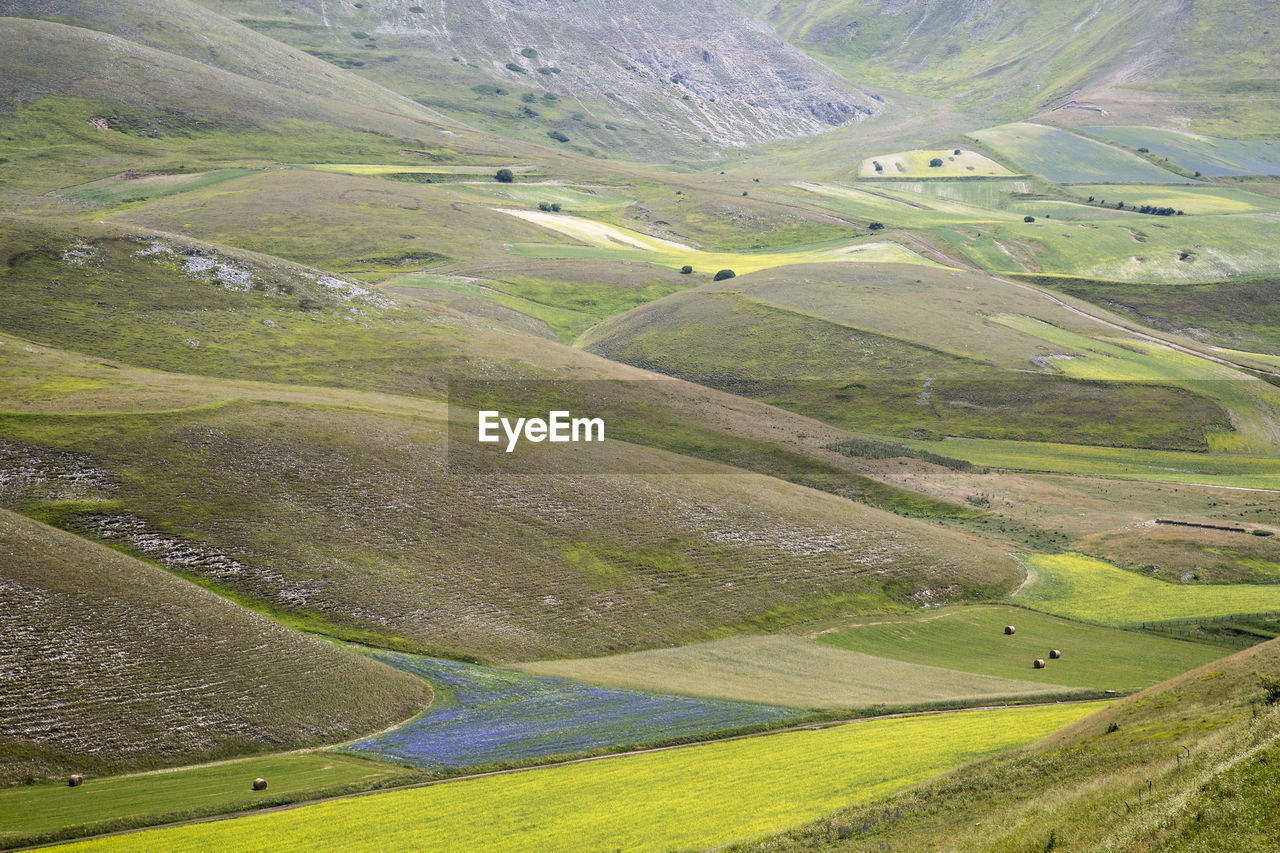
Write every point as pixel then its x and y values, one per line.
pixel 686 269
pixel 935 162
pixel 1028 219
pixel 723 274
pixel 876 226
pixel 504 176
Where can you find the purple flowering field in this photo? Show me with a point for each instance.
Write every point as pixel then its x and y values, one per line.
pixel 484 715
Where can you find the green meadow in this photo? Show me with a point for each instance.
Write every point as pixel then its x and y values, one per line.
pixel 1088 589
pixel 1160 466
pixel 694 797
pixel 46 811
pixel 972 639
pixel 791 670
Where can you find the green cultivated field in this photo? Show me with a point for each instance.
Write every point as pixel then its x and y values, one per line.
pixel 33 813
pixel 1084 588
pixel 120 189
pixel 788 670
pixel 972 639
pixel 1065 157
pixel 916 164
pixel 695 797
pixel 1190 199
pixel 1160 466
pixel 1206 154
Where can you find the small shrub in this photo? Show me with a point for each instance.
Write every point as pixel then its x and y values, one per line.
pixel 557 136
pixel 504 176
pixel 550 96
pixel 875 226
pixel 1028 219
pixel 1271 688
pixel 1144 151
pixel 724 274
pixel 486 89
pixel 555 207
pixel 511 66
pixel 548 69
pixel 529 98
pixel 544 206
pixel 935 162
pixel 686 269
pixel 529 53
pixel 1262 533
pixel 1113 727
pixel 956 152
pixel 359 35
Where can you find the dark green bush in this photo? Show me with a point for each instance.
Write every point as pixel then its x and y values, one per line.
pixel 504 176
pixel 723 274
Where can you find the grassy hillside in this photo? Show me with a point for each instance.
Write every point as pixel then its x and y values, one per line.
pixel 1098 64
pixel 858 379
pixel 187 30
pixel 650 80
pixel 1181 766
pixel 114 664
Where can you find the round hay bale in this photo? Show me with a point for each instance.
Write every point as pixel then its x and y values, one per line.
pixel 259 784
pixel 1039 663
pixel 75 780
pixel 1055 654
pixel 1009 629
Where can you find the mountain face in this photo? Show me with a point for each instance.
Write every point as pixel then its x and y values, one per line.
pixel 704 73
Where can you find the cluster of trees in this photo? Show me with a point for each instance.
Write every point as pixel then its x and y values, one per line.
pixel 1150 209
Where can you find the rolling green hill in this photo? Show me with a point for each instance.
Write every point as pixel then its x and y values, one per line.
pixel 113 664
pixel 872 296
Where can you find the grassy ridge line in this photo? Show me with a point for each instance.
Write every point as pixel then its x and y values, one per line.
pixel 691 797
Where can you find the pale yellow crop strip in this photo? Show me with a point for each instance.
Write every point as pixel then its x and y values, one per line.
pixel 695 797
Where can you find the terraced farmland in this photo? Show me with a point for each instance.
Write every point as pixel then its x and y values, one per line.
pixel 696 797
pixel 485 716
